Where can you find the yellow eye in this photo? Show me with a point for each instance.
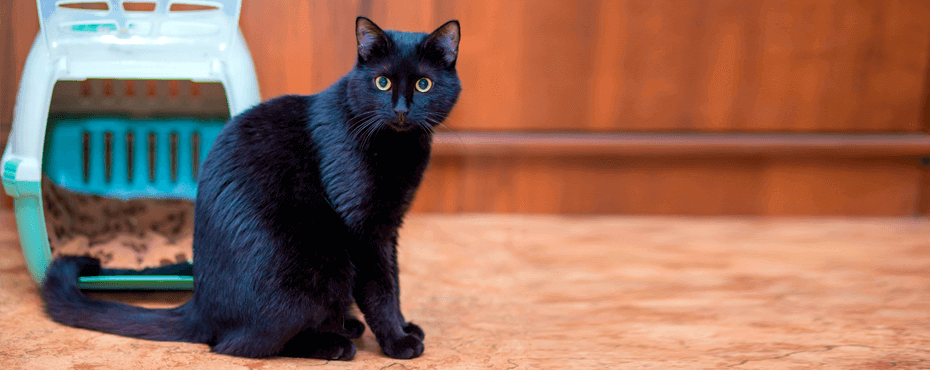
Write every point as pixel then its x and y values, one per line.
pixel 382 83
pixel 424 84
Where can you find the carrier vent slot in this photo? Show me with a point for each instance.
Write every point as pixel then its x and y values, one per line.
pixel 178 151
pixel 138 6
pixel 130 88
pixel 85 155
pixel 130 153
pixel 86 90
pixel 185 7
pixel 151 88
pixel 195 154
pixel 151 156
pixel 108 88
pixel 100 6
pixel 173 148
pixel 108 155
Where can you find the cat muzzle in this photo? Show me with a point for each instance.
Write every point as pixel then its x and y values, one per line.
pixel 401 124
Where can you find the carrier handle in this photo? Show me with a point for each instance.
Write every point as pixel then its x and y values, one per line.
pixel 81 21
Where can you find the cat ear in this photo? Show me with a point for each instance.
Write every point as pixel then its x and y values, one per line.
pixel 445 40
pixel 370 37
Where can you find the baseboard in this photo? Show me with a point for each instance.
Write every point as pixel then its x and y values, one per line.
pixel 678 174
pixel 682 144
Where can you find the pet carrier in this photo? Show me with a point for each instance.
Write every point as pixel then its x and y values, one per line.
pixel 118 105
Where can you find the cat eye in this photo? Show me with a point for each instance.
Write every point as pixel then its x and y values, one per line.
pixel 382 83
pixel 424 84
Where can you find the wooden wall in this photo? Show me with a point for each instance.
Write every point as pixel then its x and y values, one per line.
pixel 733 65
pixel 579 71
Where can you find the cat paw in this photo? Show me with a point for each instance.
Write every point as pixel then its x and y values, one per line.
pixel 343 351
pixel 414 330
pixel 406 347
pixel 352 328
pixel 325 346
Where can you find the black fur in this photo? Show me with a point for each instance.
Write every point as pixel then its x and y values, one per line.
pixel 297 212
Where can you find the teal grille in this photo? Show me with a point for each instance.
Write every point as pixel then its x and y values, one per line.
pixel 129 158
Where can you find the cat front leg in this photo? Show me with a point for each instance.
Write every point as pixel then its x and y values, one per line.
pixel 409 327
pixel 376 294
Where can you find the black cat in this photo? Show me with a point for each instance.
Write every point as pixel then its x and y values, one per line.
pixel 297 212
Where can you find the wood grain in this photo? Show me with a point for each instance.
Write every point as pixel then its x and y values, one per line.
pixel 924 202
pixel 6 82
pixel 672 185
pixel 681 145
pixel 19 24
pixel 721 65
pixel 681 67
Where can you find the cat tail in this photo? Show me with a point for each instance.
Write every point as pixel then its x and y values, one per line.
pixel 65 304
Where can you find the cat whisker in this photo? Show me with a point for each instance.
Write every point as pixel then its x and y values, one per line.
pixel 439 124
pixel 426 126
pixel 361 128
pixel 358 129
pixel 438 120
pixel 364 116
pixel 374 131
pixel 360 116
pixel 369 130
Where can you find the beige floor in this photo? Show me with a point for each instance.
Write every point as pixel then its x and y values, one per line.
pixel 512 292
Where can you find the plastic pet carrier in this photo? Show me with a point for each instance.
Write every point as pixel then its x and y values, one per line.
pixel 117 107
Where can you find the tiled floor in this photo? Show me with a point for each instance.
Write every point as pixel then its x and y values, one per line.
pixel 517 292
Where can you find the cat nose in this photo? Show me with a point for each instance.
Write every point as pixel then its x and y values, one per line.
pixel 401 108
pixel 401 113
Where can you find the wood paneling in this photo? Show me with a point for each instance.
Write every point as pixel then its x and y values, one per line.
pixel 924 202
pixel 689 186
pixel 608 65
pixel 692 174
pixel 635 65
pixel 570 67
pixel 721 65
pixel 19 24
pixel 682 145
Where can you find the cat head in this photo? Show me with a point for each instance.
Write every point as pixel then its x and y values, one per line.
pixel 403 80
